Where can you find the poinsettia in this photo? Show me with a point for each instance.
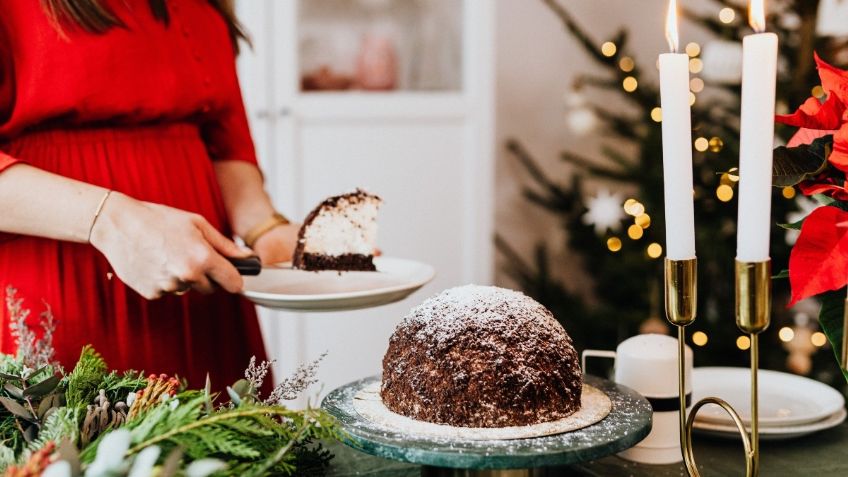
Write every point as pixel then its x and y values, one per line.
pixel 819 260
pixel 816 160
pixel 829 117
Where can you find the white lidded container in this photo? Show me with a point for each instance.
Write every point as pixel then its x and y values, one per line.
pixel 648 364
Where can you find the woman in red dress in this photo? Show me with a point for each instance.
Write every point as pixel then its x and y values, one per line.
pixel 125 164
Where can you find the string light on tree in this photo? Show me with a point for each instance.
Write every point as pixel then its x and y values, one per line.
pixel 693 49
pixel 786 334
pixel 700 338
pixel 818 339
pixel 702 144
pixel 614 244
pixel 635 232
pixel 656 114
pixel 627 64
pixel 696 65
pixel 743 342
pixel 726 15
pixel 608 49
pixel 696 85
pixel 633 207
pixel 715 144
pixel 655 250
pixel 630 84
pixel 724 193
pixel 788 192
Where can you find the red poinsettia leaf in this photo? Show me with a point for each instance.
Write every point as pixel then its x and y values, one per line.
pixel 819 259
pixel 833 80
pixel 814 114
pixel 806 136
pixel 839 157
pixel 813 188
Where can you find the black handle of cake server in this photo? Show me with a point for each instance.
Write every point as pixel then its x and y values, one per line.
pixel 247 266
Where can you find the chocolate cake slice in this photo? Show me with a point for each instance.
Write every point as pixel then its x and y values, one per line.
pixel 479 356
pixel 340 234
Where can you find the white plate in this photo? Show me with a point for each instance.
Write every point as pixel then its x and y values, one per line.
pixel 283 288
pixel 773 433
pixel 785 399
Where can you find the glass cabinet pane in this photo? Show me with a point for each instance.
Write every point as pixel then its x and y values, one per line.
pixel 380 45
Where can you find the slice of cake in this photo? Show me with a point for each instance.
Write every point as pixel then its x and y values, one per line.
pixel 479 356
pixel 340 234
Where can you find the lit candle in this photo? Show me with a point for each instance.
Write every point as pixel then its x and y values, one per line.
pixel 677 146
pixel 759 74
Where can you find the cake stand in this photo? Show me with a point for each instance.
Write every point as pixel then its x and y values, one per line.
pixel 627 424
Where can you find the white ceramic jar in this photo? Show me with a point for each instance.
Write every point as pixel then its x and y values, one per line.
pixel 648 365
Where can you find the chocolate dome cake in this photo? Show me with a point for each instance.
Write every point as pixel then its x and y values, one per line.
pixel 479 356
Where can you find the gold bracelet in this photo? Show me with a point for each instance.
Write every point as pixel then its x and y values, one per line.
pixel 264 227
pixel 97 213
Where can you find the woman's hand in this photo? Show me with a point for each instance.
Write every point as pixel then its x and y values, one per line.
pixel 278 244
pixel 156 249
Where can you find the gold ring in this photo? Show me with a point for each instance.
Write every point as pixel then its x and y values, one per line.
pixel 182 288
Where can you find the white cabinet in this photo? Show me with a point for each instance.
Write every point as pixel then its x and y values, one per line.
pixel 426 148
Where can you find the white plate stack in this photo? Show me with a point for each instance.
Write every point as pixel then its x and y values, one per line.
pixel 790 405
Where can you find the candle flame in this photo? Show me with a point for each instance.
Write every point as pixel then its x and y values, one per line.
pixel 671 26
pixel 757 15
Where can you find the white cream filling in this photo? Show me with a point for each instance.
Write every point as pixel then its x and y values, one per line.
pixel 349 227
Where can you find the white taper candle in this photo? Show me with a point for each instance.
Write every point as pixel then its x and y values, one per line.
pixel 759 74
pixel 677 147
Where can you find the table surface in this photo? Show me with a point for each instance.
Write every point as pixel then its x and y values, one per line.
pixel 823 454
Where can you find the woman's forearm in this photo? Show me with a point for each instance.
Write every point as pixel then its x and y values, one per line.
pixel 244 194
pixel 39 203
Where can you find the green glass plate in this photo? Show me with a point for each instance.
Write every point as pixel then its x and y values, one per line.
pixel 627 424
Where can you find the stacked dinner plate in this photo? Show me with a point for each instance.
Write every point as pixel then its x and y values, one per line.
pixel 790 406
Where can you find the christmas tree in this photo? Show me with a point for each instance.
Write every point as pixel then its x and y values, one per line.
pixel 620 237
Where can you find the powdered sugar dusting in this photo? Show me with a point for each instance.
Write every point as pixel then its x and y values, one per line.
pixel 481 356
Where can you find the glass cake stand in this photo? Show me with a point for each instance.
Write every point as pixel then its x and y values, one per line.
pixel 627 424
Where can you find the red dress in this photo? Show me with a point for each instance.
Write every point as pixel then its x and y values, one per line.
pixel 143 110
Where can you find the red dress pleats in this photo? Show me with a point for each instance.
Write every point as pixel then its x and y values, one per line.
pixel 188 335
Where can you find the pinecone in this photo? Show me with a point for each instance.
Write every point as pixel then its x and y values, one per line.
pixel 101 416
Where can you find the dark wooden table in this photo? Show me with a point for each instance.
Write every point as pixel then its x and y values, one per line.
pixel 823 454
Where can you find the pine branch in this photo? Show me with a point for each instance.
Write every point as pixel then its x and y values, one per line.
pixel 589 44
pixel 536 173
pixel 592 168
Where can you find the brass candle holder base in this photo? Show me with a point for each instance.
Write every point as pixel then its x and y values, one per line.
pixel 753 312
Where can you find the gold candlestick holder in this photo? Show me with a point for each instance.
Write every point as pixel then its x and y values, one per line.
pixel 753 312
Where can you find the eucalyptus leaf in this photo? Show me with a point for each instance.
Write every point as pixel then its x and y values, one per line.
pixel 795 164
pixel 234 396
pixel 49 402
pixel 831 321
pixel 37 371
pixel 43 388
pixel 242 387
pixel 16 409
pixel 11 377
pixel 31 433
pixel 823 199
pixel 14 391
pixel 793 226
pixel 782 275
